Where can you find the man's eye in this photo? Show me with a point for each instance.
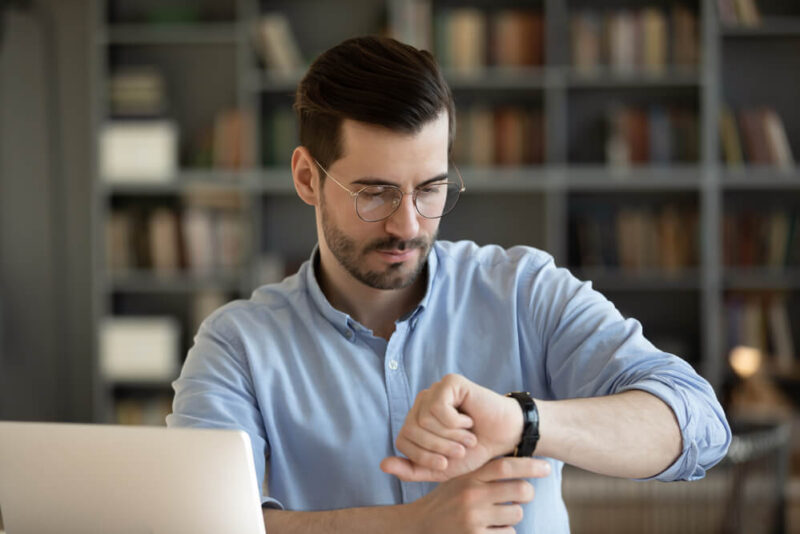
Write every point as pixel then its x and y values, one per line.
pixel 430 189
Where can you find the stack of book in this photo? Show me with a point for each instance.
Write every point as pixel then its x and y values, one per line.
pixel 755 136
pixel 762 321
pixel 654 135
pixel 137 92
pixel 762 239
pixel 739 13
pixel 205 236
pixel 501 136
pixel 468 39
pixel 631 41
pixel 635 240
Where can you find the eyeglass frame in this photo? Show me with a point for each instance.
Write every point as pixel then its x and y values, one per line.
pixel 413 193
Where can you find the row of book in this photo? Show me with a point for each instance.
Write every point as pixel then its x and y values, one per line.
pixel 499 136
pixel 762 321
pixel 227 144
pixel 756 136
pixel 635 240
pixel 204 236
pixel 629 41
pixel 468 39
pixel 138 410
pixel 739 13
pixel 654 135
pixel 762 239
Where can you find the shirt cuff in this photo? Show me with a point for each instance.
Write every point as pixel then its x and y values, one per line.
pixel 686 466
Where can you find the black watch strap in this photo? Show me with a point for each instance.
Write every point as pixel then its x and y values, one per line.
pixel 530 423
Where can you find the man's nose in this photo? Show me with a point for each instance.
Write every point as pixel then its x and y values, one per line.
pixel 404 223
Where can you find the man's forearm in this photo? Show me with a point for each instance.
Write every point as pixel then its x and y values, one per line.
pixel 389 519
pixel 632 434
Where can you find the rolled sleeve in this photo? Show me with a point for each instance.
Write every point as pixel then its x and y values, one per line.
pixel 705 432
pixel 215 390
pixel 593 351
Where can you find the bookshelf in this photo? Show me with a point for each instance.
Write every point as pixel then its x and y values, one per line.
pixel 577 158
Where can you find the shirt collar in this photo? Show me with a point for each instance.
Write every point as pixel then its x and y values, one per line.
pixel 342 321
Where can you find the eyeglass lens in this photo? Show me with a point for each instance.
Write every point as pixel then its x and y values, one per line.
pixel 377 202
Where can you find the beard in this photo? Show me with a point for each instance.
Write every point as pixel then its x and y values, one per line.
pixel 352 257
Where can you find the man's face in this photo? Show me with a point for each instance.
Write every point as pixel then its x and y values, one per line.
pixel 388 254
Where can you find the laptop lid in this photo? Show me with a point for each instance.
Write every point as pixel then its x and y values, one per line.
pixel 71 478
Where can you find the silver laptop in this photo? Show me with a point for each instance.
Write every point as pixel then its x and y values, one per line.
pixel 69 478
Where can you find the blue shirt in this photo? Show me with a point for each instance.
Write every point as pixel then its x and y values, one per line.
pixel 323 399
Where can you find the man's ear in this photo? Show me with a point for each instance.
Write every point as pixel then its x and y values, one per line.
pixel 304 171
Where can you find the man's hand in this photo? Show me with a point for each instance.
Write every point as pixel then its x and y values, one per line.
pixel 488 497
pixel 454 427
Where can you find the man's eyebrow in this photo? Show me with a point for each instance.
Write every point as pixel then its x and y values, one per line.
pixel 368 180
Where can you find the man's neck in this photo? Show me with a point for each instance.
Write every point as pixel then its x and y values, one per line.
pixel 377 309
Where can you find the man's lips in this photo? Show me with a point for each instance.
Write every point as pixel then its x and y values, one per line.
pixel 395 255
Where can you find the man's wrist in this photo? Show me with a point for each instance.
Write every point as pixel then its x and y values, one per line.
pixel 516 424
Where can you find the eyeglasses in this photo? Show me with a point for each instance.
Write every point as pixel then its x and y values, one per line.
pixel 378 202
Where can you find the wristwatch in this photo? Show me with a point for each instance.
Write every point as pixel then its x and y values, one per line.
pixel 530 423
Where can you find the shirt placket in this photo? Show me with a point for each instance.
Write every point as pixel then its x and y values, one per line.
pixel 400 400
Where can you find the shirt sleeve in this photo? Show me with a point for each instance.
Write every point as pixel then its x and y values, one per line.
pixel 591 350
pixel 215 390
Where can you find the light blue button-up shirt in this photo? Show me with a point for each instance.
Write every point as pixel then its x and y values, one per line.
pixel 323 399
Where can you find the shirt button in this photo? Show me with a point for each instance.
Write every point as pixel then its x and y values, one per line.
pixel 349 334
pixel 393 365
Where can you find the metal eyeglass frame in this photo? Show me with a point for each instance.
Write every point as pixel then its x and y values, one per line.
pixel 413 194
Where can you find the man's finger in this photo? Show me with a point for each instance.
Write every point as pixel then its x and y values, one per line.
pixel 507 468
pixel 447 442
pixel 419 455
pixel 407 471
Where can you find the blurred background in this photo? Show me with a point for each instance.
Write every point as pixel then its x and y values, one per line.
pixel 649 145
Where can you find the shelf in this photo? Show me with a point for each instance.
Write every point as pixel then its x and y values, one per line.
pixel 760 177
pixel 614 279
pixel 606 78
pixel 157 34
pixel 182 182
pixel 503 78
pixel 770 27
pixel 184 282
pixel 761 278
pixel 505 180
pixel 644 178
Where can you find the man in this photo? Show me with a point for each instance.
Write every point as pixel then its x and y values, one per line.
pixel 372 383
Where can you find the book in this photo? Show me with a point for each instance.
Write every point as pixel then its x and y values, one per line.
pixel 780 152
pixel 586 42
pixel 621 37
pixel 277 46
pixel 137 92
pixel 139 151
pixel 747 13
pixel 727 12
pixel 516 38
pixel 685 37
pixel 780 329
pixel 654 29
pixel 139 348
pixel 119 254
pixel 466 33
pixel 731 143
pixel 164 235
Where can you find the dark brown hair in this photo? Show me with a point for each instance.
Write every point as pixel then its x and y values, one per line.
pixel 376 80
